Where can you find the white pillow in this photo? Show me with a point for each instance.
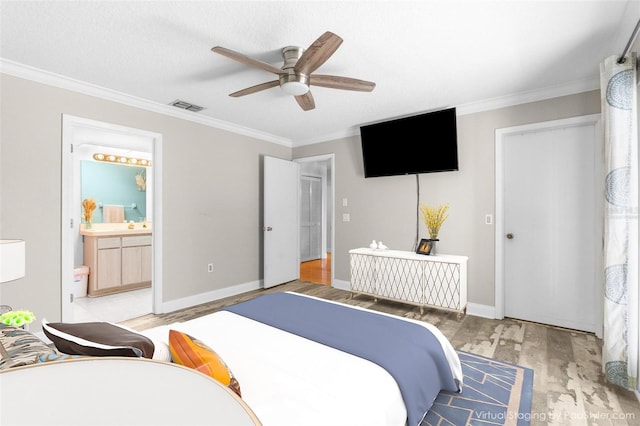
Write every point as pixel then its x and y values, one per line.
pixel 160 336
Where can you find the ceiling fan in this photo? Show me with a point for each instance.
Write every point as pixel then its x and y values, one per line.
pixel 296 75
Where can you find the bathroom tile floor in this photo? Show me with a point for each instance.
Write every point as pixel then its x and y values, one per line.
pixel 114 307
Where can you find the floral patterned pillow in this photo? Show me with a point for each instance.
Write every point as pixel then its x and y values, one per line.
pixel 23 347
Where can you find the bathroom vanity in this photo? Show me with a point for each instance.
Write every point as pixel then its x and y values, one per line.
pixel 119 259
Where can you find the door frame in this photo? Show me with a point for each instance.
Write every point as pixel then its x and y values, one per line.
pixel 500 139
pixel 73 130
pixel 329 202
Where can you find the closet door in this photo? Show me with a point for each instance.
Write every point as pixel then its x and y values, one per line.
pixel 551 240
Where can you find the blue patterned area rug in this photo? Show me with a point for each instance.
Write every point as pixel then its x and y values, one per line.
pixel 494 393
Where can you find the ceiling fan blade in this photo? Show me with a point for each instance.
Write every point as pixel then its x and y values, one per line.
pixel 318 53
pixel 246 60
pixel 344 83
pixel 256 88
pixel 306 101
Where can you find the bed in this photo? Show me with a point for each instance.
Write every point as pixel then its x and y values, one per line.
pixel 289 356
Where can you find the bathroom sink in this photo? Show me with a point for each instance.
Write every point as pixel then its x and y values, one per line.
pixel 115 230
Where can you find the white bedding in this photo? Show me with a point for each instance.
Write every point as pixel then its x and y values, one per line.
pixel 449 351
pixel 290 380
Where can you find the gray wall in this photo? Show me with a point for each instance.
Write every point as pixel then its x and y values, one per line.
pixel 385 208
pixel 212 193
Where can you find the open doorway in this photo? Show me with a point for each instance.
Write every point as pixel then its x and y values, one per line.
pixel 316 218
pixel 81 139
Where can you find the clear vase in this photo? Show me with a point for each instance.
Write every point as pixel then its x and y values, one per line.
pixel 432 250
pixel 88 225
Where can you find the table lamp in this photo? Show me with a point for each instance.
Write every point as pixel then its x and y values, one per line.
pixel 12 263
pixel 12 260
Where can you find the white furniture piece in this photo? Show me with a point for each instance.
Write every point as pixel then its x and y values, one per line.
pixel 426 281
pixel 114 390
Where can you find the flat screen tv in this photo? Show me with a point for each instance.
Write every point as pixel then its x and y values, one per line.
pixel 424 143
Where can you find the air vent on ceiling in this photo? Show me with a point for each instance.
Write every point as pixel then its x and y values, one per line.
pixel 186 105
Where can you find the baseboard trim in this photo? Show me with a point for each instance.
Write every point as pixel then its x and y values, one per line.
pixel 484 311
pixel 475 309
pixel 187 302
pixel 341 284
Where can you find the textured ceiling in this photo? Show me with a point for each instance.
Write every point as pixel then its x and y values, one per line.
pixel 422 55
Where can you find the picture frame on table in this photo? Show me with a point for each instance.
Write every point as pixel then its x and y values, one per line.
pixel 424 247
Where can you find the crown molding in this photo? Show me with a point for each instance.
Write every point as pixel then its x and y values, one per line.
pixel 30 73
pixel 17 69
pixel 529 96
pixel 551 92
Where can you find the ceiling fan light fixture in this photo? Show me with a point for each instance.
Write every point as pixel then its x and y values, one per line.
pixel 294 88
pixel 294 84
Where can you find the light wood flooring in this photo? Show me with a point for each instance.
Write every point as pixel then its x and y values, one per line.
pixel 316 271
pixel 568 388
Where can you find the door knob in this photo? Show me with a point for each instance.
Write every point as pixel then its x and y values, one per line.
pixel 268 228
pixel 510 236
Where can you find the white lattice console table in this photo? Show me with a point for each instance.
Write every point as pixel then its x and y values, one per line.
pixel 435 281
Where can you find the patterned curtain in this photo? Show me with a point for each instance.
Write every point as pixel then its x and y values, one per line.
pixel 619 117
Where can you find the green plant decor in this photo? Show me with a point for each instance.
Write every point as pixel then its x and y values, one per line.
pixel 17 318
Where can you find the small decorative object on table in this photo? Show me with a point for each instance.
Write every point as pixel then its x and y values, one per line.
pixel 19 318
pixel 433 218
pixel 89 206
pixel 425 246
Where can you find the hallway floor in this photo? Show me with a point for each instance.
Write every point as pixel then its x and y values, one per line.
pixel 316 271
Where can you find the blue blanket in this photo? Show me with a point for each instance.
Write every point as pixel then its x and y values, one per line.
pixel 409 352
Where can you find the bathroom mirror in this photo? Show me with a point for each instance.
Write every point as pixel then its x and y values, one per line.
pixel 119 188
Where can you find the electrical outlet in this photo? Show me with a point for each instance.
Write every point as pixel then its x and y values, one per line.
pixel 210 267
pixel 488 219
pixel 346 217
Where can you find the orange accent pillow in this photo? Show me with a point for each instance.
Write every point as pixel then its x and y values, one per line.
pixel 192 353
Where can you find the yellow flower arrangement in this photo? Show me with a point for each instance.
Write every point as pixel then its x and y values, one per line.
pixel 89 205
pixel 433 218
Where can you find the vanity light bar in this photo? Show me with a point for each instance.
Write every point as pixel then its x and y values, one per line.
pixel 120 159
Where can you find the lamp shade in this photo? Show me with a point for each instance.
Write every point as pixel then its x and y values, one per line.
pixel 12 260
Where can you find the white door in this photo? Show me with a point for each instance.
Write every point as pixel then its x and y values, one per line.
pixel 310 218
pixel 550 230
pixel 280 222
